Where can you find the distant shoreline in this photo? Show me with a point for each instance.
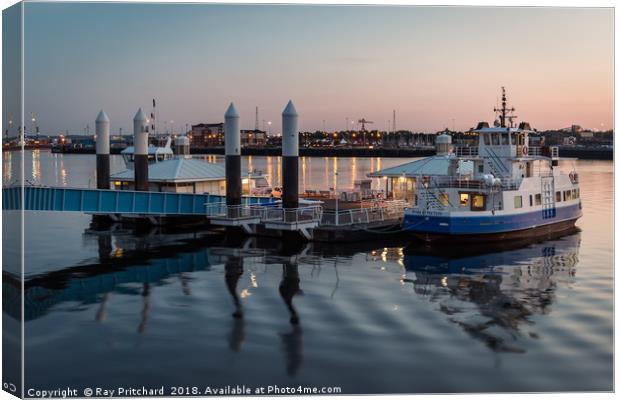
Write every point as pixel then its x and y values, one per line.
pixel 581 153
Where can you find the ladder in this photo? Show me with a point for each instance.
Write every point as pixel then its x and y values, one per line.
pixel 548 196
pixel 495 164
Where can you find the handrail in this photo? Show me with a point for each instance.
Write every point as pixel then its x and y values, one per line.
pixel 454 182
pixel 388 210
pixel 466 151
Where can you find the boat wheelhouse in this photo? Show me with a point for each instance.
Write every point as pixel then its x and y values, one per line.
pixel 503 182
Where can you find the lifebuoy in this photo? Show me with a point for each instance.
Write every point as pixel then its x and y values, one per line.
pixel 524 150
pixel 572 177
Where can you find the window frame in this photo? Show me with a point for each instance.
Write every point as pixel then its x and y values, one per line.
pixel 461 194
pixel 520 202
pixel 472 202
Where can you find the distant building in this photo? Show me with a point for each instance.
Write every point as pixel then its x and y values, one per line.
pixel 253 137
pixel 206 135
pixel 573 129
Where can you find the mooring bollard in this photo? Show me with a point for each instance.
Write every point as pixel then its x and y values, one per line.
pixel 102 130
pixel 233 161
pixel 140 152
pixel 290 160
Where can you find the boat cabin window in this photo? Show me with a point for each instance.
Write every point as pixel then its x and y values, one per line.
pixel 558 196
pixel 478 202
pixel 531 201
pixel 538 199
pixel 504 139
pixel 574 195
pixel 495 139
pixel 464 199
pixel 518 202
pixel 568 195
pixel 487 140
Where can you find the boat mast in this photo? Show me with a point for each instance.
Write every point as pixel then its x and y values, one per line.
pixel 504 111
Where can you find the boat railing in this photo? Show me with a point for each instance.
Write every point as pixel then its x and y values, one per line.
pixel 466 151
pixel 544 151
pixel 535 151
pixel 378 212
pixel 469 183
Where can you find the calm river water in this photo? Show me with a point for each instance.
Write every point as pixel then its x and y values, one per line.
pixel 121 308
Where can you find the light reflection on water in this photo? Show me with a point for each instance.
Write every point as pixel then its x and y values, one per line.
pixel 185 308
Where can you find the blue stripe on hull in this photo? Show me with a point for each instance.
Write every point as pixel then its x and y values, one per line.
pixel 476 225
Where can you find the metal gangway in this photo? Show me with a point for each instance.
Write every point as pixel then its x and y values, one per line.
pixel 121 202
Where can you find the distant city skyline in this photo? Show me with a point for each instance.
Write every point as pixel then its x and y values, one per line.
pixel 439 67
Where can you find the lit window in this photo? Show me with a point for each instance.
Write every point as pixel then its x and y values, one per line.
pixel 518 201
pixel 464 199
pixel 538 199
pixel 477 202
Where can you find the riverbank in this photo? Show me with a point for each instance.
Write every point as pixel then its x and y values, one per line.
pixel 573 152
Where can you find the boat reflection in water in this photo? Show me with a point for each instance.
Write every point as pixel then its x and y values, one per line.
pixel 493 291
pixel 493 294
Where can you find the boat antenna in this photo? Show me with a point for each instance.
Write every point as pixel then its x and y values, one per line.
pixel 153 117
pixel 504 111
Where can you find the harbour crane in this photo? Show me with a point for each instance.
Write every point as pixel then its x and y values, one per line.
pixel 363 121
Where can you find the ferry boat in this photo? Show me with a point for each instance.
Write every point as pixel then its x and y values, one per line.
pixel 505 183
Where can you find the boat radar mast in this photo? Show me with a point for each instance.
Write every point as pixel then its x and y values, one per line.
pixel 504 111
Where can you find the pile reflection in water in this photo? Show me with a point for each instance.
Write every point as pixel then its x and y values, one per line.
pixel 491 291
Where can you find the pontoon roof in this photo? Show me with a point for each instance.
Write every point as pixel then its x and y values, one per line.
pixel 436 165
pixel 178 170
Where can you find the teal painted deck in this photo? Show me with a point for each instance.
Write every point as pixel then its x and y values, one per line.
pixel 98 201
